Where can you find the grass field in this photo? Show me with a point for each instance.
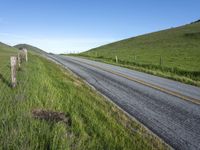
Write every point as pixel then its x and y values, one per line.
pixel 95 122
pixel 172 53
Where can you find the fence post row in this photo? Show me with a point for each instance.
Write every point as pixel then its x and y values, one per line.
pixel 14 60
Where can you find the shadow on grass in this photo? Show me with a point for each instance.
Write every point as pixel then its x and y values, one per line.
pixel 4 80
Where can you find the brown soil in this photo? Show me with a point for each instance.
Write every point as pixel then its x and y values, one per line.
pixel 52 116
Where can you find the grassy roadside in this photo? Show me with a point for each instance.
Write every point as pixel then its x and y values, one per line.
pixel 188 77
pixel 96 123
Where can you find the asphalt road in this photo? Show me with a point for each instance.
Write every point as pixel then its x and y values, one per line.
pixel 168 108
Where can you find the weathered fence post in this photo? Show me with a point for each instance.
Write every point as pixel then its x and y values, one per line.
pixel 161 61
pixel 116 59
pixel 19 60
pixel 26 54
pixel 13 63
pixel 23 54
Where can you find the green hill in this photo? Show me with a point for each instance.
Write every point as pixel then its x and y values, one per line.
pixel 5 52
pixel 43 86
pixel 175 50
pixel 30 48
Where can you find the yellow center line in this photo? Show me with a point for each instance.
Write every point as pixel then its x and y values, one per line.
pixel 164 90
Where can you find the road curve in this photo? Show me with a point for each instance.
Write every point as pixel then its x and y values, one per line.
pixel 175 117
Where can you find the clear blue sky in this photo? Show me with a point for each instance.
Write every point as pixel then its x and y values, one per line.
pixel 77 25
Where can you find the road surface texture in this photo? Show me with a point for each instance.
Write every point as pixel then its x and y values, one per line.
pixel 168 108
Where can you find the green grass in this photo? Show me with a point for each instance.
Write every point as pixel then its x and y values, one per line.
pixel 178 48
pixel 96 123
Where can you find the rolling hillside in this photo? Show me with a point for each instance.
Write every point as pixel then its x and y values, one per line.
pixel 30 48
pixel 173 51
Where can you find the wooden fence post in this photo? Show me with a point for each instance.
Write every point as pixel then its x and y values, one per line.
pixel 13 63
pixel 26 54
pixel 23 54
pixel 19 60
pixel 161 61
pixel 116 59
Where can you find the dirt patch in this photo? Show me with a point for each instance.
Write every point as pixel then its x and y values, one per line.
pixel 52 116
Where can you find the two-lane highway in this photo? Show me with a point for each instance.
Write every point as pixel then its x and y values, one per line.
pixel 168 108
